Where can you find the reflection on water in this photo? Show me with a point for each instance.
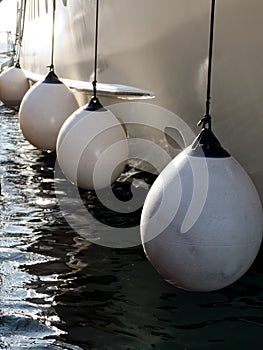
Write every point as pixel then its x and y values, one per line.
pixel 58 291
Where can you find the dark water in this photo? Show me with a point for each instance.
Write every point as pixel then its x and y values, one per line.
pixel 58 291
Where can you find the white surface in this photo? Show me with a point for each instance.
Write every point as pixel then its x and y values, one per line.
pixel 13 86
pixel 43 110
pixel 163 48
pixel 92 148
pixel 213 244
pixel 115 90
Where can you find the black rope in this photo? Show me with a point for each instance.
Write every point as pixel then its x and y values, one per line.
pixel 206 120
pixel 94 83
pixel 94 104
pixel 23 22
pixel 22 27
pixel 51 67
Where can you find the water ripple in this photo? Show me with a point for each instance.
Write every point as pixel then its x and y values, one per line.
pixel 58 291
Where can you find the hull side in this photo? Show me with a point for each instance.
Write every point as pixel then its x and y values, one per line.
pixel 164 49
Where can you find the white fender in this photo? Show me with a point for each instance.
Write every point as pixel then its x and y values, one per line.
pixel 201 224
pixel 92 148
pixel 13 86
pixel 43 110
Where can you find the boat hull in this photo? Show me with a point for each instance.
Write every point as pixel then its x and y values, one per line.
pixel 164 49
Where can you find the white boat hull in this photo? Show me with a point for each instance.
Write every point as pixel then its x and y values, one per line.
pixel 161 46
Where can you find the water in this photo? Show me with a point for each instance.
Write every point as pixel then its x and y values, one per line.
pixel 58 291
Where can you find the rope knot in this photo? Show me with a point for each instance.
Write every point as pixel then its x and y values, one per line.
pixel 206 120
pixel 51 67
pixel 94 83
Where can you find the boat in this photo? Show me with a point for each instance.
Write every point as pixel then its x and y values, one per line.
pixel 7 49
pixel 156 55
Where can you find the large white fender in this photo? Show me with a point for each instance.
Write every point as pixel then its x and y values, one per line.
pixel 13 86
pixel 201 225
pixel 92 148
pixel 44 109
